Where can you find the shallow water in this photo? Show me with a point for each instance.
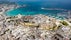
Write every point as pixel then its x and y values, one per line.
pixel 33 9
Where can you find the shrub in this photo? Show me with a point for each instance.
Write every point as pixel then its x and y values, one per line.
pixel 64 23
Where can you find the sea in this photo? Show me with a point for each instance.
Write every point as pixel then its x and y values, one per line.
pixel 34 8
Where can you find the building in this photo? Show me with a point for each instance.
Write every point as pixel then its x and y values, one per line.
pixel 57 37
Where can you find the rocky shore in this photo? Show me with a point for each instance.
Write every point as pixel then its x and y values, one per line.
pixel 36 27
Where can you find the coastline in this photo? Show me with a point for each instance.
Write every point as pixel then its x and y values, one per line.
pixel 58 15
pixel 33 27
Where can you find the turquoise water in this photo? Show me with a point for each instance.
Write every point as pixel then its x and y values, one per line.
pixel 30 11
pixel 33 9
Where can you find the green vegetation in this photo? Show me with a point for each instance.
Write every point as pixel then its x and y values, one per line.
pixel 64 23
